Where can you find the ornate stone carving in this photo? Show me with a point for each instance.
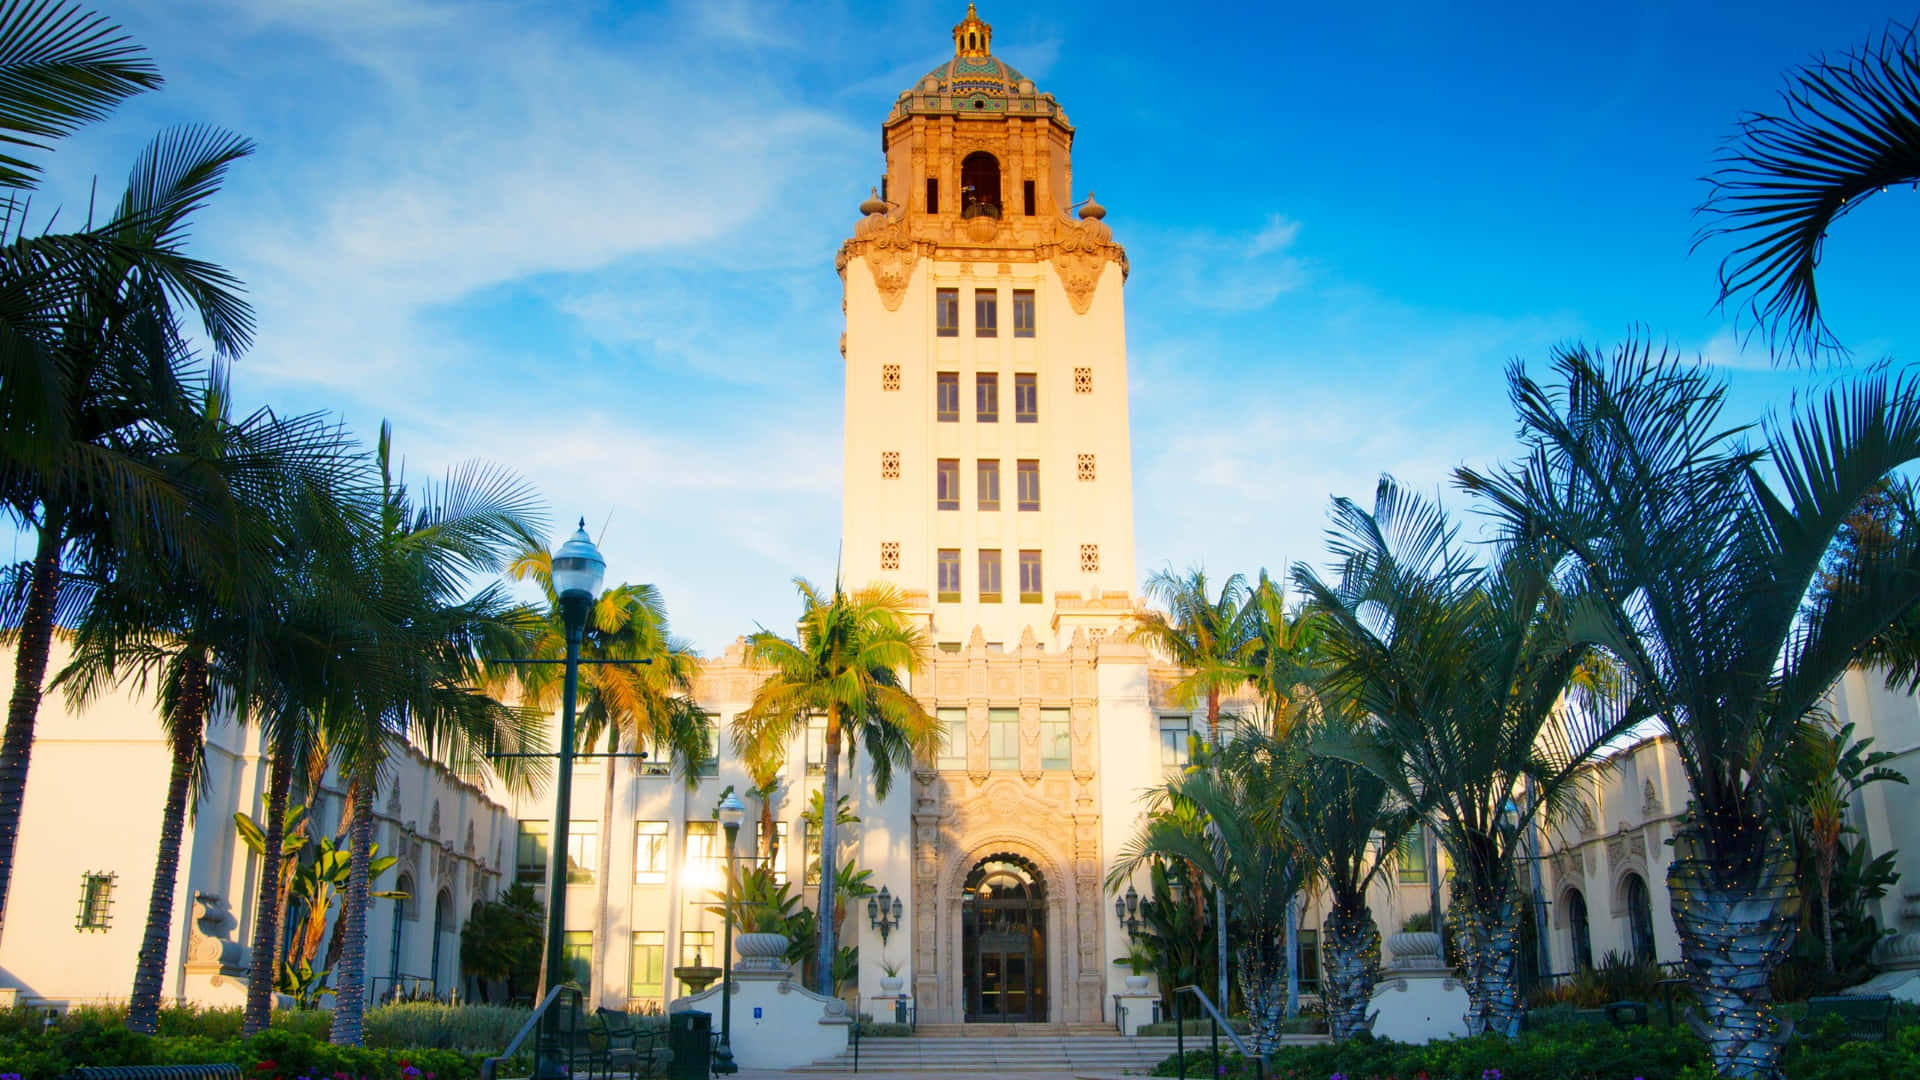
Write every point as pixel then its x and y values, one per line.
pixel 1080 255
pixel 208 943
pixel 1650 800
pixel 890 253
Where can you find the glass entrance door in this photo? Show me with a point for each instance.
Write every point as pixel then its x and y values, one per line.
pixel 1003 923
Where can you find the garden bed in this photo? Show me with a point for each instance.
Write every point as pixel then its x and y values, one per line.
pixel 1568 1052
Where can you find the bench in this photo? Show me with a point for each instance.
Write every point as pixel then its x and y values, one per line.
pixel 1867 1016
pixel 627 1047
pixel 158 1072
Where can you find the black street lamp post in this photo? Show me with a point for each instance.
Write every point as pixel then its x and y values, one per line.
pixel 731 810
pixel 577 572
pixel 1127 910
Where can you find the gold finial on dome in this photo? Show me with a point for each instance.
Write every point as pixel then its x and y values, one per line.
pixel 972 36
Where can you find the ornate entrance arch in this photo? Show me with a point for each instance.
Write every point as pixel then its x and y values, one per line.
pixel 1003 934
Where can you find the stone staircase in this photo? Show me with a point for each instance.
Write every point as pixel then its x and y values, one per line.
pixel 1005 1048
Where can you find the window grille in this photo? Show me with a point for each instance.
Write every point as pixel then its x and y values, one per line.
pixel 1083 380
pixel 889 464
pixel 889 554
pixel 890 376
pixel 1085 468
pixel 1089 558
pixel 96 902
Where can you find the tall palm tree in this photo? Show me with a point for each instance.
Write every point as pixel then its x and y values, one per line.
pixel 1208 818
pixel 1344 823
pixel 186 630
pixel 1850 128
pixel 649 703
pixel 1214 640
pixel 1463 670
pixel 1700 542
pixel 96 357
pixel 411 668
pixel 846 662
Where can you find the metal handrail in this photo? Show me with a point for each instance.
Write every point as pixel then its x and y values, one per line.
pixel 491 1066
pixel 1219 1022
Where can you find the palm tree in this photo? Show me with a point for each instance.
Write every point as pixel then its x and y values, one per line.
pixel 411 667
pixel 1345 824
pixel 91 359
pixel 846 662
pixel 1462 669
pixel 187 629
pixel 1701 550
pixel 1849 129
pixel 1207 818
pixel 1213 640
pixel 649 703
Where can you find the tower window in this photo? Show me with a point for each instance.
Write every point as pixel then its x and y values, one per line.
pixel 986 397
pixel 1029 577
pixel 947 397
pixel 979 183
pixel 1086 470
pixel 1089 558
pixel 889 377
pixel 986 313
pixel 989 575
pixel 1026 188
pixel 1026 398
pixel 1023 313
pixel 989 477
pixel 1027 474
pixel 947 484
pixel 889 554
pixel 949 577
pixel 933 195
pixel 946 312
pixel 889 464
pixel 96 902
pixel 1083 380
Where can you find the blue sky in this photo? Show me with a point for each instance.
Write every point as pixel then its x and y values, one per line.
pixel 594 241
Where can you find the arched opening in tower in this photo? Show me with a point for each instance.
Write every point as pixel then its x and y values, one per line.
pixel 980 185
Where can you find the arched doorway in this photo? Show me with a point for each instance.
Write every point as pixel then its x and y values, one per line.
pixel 979 185
pixel 1003 935
pixel 442 915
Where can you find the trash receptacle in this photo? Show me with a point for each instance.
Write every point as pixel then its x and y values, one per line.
pixel 690 1037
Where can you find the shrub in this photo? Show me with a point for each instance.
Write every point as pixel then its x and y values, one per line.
pixel 485 1029
pixel 1575 1054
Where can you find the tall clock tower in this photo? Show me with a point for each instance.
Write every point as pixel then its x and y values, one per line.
pixel 987 452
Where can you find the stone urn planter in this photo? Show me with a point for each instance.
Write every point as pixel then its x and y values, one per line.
pixel 1137 984
pixel 1415 949
pixel 891 984
pixel 764 953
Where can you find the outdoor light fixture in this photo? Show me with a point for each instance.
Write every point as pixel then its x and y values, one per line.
pixel 884 912
pixel 578 570
pixel 1127 910
pixel 730 812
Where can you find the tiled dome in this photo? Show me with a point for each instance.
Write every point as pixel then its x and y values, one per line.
pixel 975 81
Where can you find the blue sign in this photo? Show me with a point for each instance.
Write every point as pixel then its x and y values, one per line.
pixel 756 1012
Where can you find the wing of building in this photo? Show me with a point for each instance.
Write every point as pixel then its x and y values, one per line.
pixel 988 477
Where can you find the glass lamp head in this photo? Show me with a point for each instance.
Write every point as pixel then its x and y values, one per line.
pixel 731 811
pixel 578 567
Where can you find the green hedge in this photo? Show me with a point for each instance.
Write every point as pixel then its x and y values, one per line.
pixel 1578 1052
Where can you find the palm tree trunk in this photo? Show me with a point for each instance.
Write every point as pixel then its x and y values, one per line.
pixel 1352 967
pixel 829 806
pixel 149 973
pixel 349 1005
pixel 29 674
pixel 1220 890
pixel 263 961
pixel 1826 912
pixel 603 870
pixel 1489 934
pixel 1260 985
pixel 1735 929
